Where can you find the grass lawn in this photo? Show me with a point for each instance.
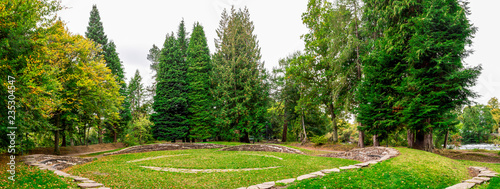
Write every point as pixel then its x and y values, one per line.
pixel 412 169
pixel 115 172
pixel 31 177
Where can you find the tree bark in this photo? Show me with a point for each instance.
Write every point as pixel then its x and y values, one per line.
pixel 361 141
pixel 99 133
pixel 446 139
pixel 63 133
pixel 423 140
pixel 285 130
pixel 71 142
pixel 245 138
pixel 115 134
pixel 428 145
pixel 375 141
pixel 304 139
pixel 410 137
pixel 57 151
pixel 335 137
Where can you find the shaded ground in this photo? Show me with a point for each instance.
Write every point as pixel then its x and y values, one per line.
pixel 79 150
pixel 262 147
pixel 479 155
pixel 326 147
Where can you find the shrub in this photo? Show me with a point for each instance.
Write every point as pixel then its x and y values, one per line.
pixel 319 140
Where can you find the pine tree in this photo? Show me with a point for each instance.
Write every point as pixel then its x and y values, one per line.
pixel 170 101
pixel 200 101
pixel 239 78
pixel 95 32
pixel 136 95
pixel 414 74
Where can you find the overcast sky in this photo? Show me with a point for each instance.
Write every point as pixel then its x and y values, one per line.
pixel 135 26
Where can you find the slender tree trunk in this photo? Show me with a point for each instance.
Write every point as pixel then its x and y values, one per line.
pixel 335 137
pixel 63 135
pixel 304 139
pixel 446 139
pixel 57 151
pixel 115 134
pixel 99 133
pixel 71 142
pixel 410 137
pixel 87 136
pixel 361 141
pixel 428 144
pixel 285 130
pixel 375 141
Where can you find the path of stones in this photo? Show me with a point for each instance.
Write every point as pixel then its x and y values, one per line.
pixel 370 155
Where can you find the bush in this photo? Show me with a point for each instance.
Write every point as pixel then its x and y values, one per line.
pixel 319 140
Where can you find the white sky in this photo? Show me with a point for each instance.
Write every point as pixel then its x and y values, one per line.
pixel 135 26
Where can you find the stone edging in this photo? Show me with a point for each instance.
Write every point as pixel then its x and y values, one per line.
pixel 267 185
pixel 82 182
pixel 483 176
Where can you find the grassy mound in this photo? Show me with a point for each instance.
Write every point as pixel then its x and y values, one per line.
pixel 115 172
pixel 412 169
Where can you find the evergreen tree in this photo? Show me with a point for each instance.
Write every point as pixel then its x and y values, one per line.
pixel 136 95
pixel 414 75
pixel 199 98
pixel 95 32
pixel 239 78
pixel 170 101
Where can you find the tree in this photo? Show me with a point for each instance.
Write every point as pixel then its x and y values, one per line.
pixel 154 58
pixel 477 123
pixel 414 73
pixel 331 67
pixel 136 95
pixel 95 32
pixel 170 101
pixel 200 100
pixel 239 78
pixel 494 105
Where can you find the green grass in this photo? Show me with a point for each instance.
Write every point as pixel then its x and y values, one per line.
pixel 115 172
pixel 412 169
pixel 31 177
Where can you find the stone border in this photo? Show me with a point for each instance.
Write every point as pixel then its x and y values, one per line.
pixel 81 181
pixel 268 185
pixel 165 147
pixel 179 170
pixel 483 176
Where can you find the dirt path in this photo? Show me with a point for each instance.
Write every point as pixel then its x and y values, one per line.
pixel 470 155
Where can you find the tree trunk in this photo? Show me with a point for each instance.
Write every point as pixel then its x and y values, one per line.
pixel 423 140
pixel 304 139
pixel 245 138
pixel 361 141
pixel 71 142
pixel 375 141
pixel 99 134
pixel 335 137
pixel 446 139
pixel 57 151
pixel 428 145
pixel 410 137
pixel 285 130
pixel 115 134
pixel 63 138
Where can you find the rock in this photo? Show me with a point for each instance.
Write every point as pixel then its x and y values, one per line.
pixel 489 172
pixel 80 179
pixel 262 147
pixel 462 186
pixel 371 162
pixel 482 178
pixel 253 187
pixel 286 181
pixel 89 185
pixel 487 175
pixel 362 164
pixel 308 176
pixel 326 171
pixel 266 185
pixel 242 188
pixel 349 167
pixel 480 168
pixel 474 181
pixel 319 173
pixel 60 173
pixel 386 157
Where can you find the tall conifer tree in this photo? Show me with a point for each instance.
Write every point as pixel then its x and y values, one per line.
pixel 200 101
pixel 170 101
pixel 239 78
pixel 95 32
